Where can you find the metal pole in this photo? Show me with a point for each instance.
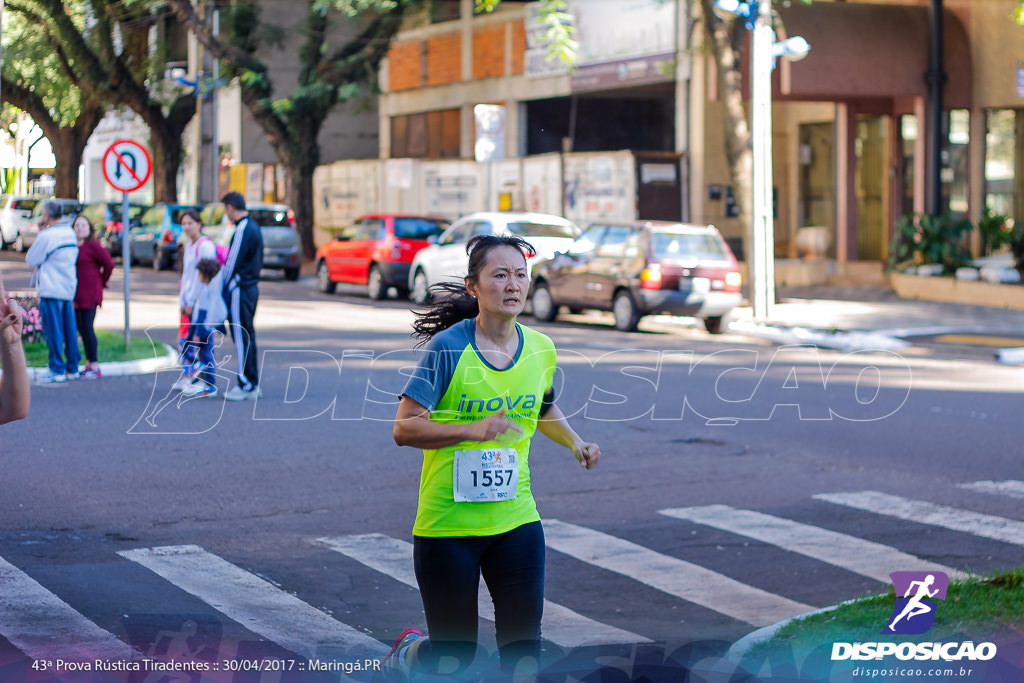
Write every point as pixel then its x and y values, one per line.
pixel 126 260
pixel 935 77
pixel 215 147
pixel 763 257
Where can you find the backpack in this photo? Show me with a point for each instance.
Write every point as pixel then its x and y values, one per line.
pixel 221 249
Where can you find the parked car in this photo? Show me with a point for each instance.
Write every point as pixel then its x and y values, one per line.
pixel 14 211
pixel 282 247
pixel 376 251
pixel 447 261
pixel 155 239
pixel 640 269
pixel 30 228
pixel 106 220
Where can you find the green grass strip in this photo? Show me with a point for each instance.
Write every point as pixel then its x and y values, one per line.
pixel 110 348
pixel 980 606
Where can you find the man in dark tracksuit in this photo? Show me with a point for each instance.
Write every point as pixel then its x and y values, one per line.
pixel 241 292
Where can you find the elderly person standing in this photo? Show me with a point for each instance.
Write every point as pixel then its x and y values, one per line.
pixel 54 255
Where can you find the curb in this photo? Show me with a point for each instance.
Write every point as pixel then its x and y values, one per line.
pixel 842 340
pixel 142 366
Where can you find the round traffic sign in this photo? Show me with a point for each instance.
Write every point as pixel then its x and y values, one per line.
pixel 127 165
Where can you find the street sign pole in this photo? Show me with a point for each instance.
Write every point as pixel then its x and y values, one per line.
pixel 126 166
pixel 126 261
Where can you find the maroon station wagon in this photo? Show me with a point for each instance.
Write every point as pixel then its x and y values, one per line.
pixel 639 269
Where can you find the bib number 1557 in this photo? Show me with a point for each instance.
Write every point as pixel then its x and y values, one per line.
pixel 486 475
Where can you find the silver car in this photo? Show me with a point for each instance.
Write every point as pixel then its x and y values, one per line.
pixel 15 210
pixel 282 248
pixel 30 228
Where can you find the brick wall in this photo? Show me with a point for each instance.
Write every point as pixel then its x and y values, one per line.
pixel 489 51
pixel 518 47
pixel 444 59
pixel 405 65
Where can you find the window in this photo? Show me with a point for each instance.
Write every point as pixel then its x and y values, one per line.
pixel 427 135
pixel 1004 161
pixel 526 229
pixel 371 230
pixel 687 247
pixel 460 234
pixel 418 228
pixel 614 243
pixel 587 242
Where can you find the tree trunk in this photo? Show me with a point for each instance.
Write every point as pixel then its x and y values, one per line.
pixel 726 40
pixel 166 148
pixel 300 198
pixel 68 156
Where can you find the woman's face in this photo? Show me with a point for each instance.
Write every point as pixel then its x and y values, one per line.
pixel 503 282
pixel 191 227
pixel 81 227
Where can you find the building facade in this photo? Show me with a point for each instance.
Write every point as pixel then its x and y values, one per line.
pixel 850 128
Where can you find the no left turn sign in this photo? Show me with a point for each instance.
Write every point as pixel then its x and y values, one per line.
pixel 127 165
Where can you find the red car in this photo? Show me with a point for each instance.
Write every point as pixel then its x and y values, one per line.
pixel 377 251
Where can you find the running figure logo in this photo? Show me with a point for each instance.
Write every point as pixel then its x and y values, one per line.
pixel 914 613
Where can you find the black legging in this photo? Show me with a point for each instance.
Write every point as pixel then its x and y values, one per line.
pixel 448 571
pixel 85 317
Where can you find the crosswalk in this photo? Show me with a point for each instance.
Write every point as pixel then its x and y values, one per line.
pixel 42 626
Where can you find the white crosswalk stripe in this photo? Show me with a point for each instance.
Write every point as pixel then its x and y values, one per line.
pixel 976 523
pixel 673 576
pixel 857 555
pixel 254 603
pixel 560 624
pixel 1011 488
pixel 44 627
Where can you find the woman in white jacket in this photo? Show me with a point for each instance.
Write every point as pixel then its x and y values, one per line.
pixel 54 255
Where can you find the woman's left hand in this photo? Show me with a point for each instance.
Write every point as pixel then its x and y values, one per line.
pixel 588 455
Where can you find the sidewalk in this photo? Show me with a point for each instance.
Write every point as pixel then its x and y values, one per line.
pixel 852 318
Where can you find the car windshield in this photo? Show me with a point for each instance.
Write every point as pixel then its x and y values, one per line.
pixel 687 246
pixel 419 228
pixel 267 218
pixel 531 229
pixel 24 204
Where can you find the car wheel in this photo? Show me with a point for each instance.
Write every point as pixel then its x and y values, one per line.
pixel 323 279
pixel 627 315
pixel 158 258
pixel 544 308
pixel 291 274
pixel 376 288
pixel 3 242
pixel 420 290
pixel 714 324
pixel 19 243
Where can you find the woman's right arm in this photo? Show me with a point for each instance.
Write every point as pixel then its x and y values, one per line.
pixel 413 427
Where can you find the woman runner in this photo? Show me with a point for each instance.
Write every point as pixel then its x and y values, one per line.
pixel 473 404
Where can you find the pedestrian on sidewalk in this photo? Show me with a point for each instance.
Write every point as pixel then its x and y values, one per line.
pixel 479 393
pixel 208 315
pixel 14 386
pixel 93 268
pixel 241 294
pixel 196 247
pixel 54 255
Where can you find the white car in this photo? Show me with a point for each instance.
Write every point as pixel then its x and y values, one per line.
pixel 447 260
pixel 14 212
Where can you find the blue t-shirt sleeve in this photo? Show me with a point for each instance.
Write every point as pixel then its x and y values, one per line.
pixel 433 374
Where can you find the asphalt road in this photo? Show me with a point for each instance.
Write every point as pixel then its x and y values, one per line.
pixel 101 473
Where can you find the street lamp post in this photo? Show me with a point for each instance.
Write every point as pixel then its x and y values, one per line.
pixel 762 261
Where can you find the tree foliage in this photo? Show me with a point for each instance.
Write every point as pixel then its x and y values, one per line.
pixel 329 74
pixel 104 49
pixel 35 81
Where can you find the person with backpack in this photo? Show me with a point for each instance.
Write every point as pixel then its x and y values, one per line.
pixel 54 255
pixel 197 247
